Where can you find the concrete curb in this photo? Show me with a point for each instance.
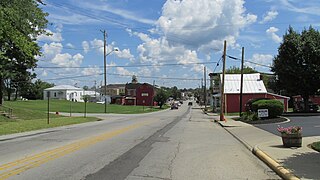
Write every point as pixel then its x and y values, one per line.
pixel 274 165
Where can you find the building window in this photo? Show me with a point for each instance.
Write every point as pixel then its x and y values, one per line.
pixel 55 94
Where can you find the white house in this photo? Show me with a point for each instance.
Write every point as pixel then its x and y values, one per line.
pixel 68 92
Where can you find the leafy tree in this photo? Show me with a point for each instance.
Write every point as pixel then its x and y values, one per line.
pixel 297 65
pixel 175 93
pixel 161 97
pixel 236 70
pixel 21 21
pixel 35 90
pixel 85 88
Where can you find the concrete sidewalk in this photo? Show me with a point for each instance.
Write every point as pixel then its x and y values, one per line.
pixel 289 163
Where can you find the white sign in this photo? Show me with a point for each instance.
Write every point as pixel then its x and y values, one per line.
pixel 144 94
pixel 263 113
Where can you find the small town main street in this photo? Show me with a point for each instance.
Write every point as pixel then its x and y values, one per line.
pixel 172 144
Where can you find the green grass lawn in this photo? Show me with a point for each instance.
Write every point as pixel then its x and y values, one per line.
pixel 316 146
pixel 17 126
pixel 40 106
pixel 32 114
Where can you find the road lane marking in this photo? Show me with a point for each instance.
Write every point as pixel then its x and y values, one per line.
pixel 21 165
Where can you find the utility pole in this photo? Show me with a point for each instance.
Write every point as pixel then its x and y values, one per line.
pixel 222 84
pixel 241 83
pixel 153 93
pixel 205 88
pixel 48 115
pixel 200 91
pixel 105 68
pixel 95 88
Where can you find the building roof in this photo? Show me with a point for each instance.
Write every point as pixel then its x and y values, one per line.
pixel 132 85
pixel 63 87
pixel 115 86
pixel 251 83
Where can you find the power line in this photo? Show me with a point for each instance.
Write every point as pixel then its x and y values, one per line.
pixel 83 12
pixel 238 59
pixel 63 47
pixel 110 66
pixel 217 64
pixel 114 74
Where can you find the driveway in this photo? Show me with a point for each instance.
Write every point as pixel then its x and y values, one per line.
pixel 310 125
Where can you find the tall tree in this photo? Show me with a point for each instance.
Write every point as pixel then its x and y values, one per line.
pixel 297 65
pixel 21 22
pixel 35 90
pixel 161 97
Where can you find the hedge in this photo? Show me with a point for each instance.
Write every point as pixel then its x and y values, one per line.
pixel 275 107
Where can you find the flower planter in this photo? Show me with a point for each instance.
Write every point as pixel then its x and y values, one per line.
pixel 292 140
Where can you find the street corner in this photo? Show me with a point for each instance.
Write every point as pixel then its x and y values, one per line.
pixel 273 164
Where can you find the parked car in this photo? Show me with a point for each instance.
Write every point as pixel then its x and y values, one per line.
pixel 299 106
pixel 174 106
pixel 190 103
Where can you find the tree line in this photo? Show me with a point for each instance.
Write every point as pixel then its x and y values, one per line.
pixel 21 22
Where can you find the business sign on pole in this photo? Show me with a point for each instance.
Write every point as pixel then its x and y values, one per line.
pixel 263 113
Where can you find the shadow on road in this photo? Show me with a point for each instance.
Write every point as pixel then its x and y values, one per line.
pixel 305 165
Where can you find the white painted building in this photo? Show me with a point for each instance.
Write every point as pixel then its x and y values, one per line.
pixel 68 92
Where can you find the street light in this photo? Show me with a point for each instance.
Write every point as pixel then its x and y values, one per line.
pixel 105 75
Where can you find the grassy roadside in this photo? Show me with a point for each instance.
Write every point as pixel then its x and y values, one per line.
pixel 75 107
pixel 316 146
pixel 17 126
pixel 32 115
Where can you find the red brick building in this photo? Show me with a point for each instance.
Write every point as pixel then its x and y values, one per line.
pixel 140 94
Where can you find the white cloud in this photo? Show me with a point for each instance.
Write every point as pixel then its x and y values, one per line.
pixel 44 73
pixel 85 46
pixel 98 45
pixel 71 19
pixel 271 32
pixel 269 16
pixel 123 71
pixel 145 71
pixel 69 45
pixel 262 59
pixel 67 60
pixel 186 27
pixel 125 54
pixel 312 8
pixel 92 70
pixel 53 53
pixel 120 12
pixel 54 37
pixel 49 51
pixel 193 23
pixel 158 51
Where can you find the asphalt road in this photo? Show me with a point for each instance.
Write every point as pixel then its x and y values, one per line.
pixel 310 125
pixel 173 144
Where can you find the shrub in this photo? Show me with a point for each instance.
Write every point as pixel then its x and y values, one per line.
pixel 249 116
pixel 275 107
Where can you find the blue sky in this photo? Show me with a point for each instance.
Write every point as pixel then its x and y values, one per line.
pixel 166 41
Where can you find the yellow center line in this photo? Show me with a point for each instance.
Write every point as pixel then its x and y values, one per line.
pixel 21 165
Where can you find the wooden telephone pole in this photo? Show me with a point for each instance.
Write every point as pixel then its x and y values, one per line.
pixel 241 83
pixel 222 106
